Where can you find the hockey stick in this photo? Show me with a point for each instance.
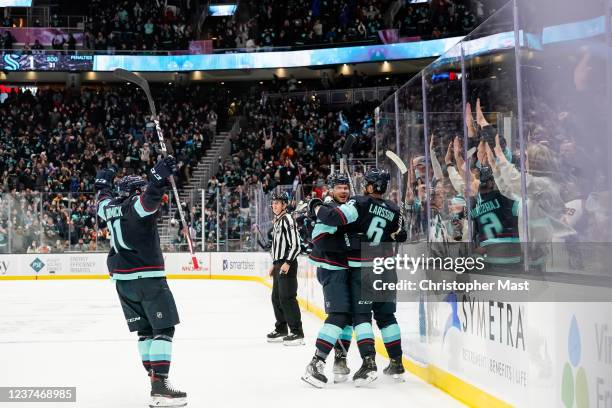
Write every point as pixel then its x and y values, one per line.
pixel 401 166
pixel 346 150
pixel 260 238
pixel 144 85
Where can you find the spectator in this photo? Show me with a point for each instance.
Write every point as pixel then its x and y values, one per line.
pixel 7 40
pixel 66 137
pixel 37 48
pixel 71 43
pixel 138 26
pixel 56 44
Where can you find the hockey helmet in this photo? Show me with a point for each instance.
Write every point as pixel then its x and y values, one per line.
pixel 335 179
pixel 280 196
pixel 486 174
pixel 128 185
pixel 379 179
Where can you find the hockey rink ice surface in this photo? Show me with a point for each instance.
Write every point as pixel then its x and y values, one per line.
pixel 72 333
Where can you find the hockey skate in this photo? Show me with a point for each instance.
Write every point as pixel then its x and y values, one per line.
pixel 294 339
pixel 395 369
pixel 341 370
pixel 163 394
pixel 275 336
pixel 367 373
pixel 315 373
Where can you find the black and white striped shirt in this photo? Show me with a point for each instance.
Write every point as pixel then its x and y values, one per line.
pixel 285 239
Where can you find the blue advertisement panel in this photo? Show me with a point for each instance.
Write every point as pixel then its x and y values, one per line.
pixel 15 3
pixel 276 59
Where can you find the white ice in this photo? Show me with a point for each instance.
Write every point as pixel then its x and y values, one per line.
pixel 72 333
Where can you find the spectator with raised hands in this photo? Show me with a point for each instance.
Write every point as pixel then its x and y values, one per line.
pixel 544 204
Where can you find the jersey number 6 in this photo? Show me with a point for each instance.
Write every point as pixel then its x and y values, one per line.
pixel 376 229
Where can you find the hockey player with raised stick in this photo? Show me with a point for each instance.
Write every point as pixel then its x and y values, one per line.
pixel 136 264
pixel 329 255
pixel 378 223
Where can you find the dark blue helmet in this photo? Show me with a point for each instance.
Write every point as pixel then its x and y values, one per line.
pixel 378 178
pixel 280 196
pixel 486 174
pixel 129 184
pixel 336 179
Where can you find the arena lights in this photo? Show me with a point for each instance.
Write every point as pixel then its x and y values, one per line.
pixel 222 10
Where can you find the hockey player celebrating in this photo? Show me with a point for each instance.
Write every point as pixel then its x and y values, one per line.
pixel 378 223
pixel 329 255
pixel 136 264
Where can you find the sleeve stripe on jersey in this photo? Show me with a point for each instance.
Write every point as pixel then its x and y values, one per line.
pixel 140 268
pixel 141 209
pixel 342 216
pixel 101 206
pixel 350 212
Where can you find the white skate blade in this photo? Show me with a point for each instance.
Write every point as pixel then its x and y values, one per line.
pixel 362 382
pixel 397 377
pixel 275 340
pixel 340 378
pixel 307 378
pixel 162 402
pixel 296 342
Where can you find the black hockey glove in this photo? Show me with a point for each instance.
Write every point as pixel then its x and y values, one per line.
pixel 401 236
pixel 312 205
pixel 164 168
pixel 104 178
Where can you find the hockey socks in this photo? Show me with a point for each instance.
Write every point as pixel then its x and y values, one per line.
pixel 392 338
pixel 144 345
pixel 341 370
pixel 328 335
pixel 365 339
pixel 160 354
pixel 344 341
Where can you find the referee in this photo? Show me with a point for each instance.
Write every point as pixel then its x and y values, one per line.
pixel 285 250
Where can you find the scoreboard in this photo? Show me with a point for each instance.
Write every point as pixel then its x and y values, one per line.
pixel 46 62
